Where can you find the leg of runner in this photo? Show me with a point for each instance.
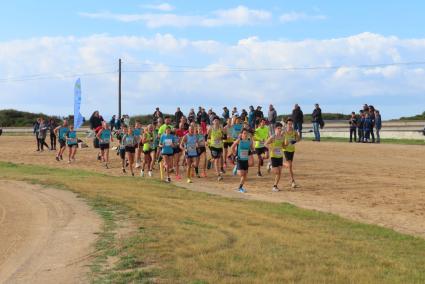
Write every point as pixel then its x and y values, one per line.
pixel 130 157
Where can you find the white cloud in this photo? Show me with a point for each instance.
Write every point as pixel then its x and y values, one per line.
pixel 166 83
pixel 239 16
pixel 300 16
pixel 164 7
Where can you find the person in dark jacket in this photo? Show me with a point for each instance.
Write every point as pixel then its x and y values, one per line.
pixel 96 124
pixel 191 116
pixel 177 117
pixel 226 113
pixel 272 118
pixel 52 126
pixel 353 127
pixel 36 130
pixel 360 125
pixel 372 119
pixel 298 118
pixel 251 117
pixel 42 134
pixel 157 114
pixel 317 121
pixel 378 126
pixel 367 128
pixel 112 122
pixel 259 115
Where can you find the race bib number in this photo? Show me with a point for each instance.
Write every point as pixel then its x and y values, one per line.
pixel 191 149
pixel 243 154
pixel 277 151
pixel 217 141
pixel 168 142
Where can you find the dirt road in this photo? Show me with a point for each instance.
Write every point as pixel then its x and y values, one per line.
pixel 47 235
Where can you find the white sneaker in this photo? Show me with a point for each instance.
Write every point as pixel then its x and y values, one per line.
pixel 275 189
pixel 294 185
pixel 142 173
pixel 150 173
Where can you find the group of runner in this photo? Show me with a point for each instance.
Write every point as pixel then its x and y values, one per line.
pixel 232 144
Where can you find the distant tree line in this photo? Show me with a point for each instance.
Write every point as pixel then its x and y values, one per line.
pixel 416 117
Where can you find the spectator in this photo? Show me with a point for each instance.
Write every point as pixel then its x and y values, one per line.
pixel 353 127
pixel 183 121
pixel 298 118
pixel 244 115
pixel 317 121
pixel 112 122
pixel 198 115
pixel 378 126
pixel 42 134
pixel 157 114
pixel 360 126
pixel 126 119
pixel 367 127
pixel 204 121
pixel 226 113
pixel 177 117
pixel 95 125
pixel 272 117
pixel 52 126
pixel 36 130
pixel 191 116
pixel 118 123
pixel 372 119
pixel 235 112
pixel 251 117
pixel 258 115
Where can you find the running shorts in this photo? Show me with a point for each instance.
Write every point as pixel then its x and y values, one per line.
pixel 243 165
pixel 130 149
pixel 201 150
pixel 62 143
pixel 260 151
pixel 277 162
pixel 104 146
pixel 216 152
pixel 289 156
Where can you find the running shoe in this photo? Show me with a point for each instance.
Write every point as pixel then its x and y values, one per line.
pixel 189 180
pixel 178 177
pixel 167 180
pixel 203 175
pixel 269 167
pixel 69 161
pixel 142 173
pixel 242 190
pixel 61 157
pixel 222 171
pixel 293 184
pixel 219 178
pixel 123 170
pixel 57 158
pixel 132 174
pixel 259 174
pixel 275 189
pixel 150 173
pixel 235 170
pixel 106 166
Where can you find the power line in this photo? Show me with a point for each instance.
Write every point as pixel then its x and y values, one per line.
pixel 193 69
pixel 54 76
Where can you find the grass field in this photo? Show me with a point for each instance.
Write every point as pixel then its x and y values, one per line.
pixel 191 237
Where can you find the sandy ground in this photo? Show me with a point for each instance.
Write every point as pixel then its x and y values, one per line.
pixel 46 235
pixel 371 183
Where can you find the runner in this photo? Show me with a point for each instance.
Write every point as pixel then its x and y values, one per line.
pixel 130 143
pixel 275 144
pixel 189 144
pixel 137 132
pixel 147 142
pixel 261 135
pixel 154 146
pixel 178 136
pixel 42 134
pixel 105 138
pixel 72 142
pixel 243 149
pixel 121 149
pixel 215 137
pixel 291 137
pixel 227 139
pixel 237 127
pixel 202 152
pixel 166 143
pixel 61 131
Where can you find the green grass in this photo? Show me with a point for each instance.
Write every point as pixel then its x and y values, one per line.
pixel 190 237
pixel 383 141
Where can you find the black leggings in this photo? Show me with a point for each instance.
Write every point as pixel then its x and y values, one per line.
pixel 43 143
pixel 53 141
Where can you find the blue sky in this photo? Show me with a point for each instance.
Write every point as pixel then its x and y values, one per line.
pixel 63 38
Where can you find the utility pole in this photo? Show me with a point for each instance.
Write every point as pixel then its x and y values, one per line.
pixel 119 88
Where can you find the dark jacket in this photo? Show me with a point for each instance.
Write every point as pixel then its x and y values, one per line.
pixel 272 116
pixel 95 122
pixel 378 121
pixel 298 115
pixel 177 116
pixel 353 122
pixel 317 115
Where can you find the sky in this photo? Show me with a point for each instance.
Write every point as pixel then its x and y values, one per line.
pixel 340 54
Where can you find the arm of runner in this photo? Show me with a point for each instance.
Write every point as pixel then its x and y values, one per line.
pixel 233 148
pixel 182 143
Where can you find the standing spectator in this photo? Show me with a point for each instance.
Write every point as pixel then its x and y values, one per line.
pixel 353 127
pixel 157 114
pixel 317 121
pixel 372 119
pixel 272 117
pixel 360 125
pixel 259 115
pixel 251 117
pixel 367 127
pixel 36 130
pixel 226 113
pixel 244 115
pixel 235 112
pixel 52 126
pixel 378 126
pixel 112 122
pixel 177 117
pixel 42 134
pixel 126 119
pixel 298 118
pixel 191 116
pixel 198 115
pixel 365 108
pixel 118 123
pixel 204 121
